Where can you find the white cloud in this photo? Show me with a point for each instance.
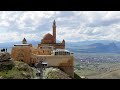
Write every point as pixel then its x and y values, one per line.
pixel 71 25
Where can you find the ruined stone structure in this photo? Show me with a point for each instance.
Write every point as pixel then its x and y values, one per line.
pixel 48 51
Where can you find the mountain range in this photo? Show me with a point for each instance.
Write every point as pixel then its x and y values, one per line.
pixel 96 46
pixel 102 46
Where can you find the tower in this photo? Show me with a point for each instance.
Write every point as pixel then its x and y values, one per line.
pixel 63 42
pixel 24 41
pixel 54 31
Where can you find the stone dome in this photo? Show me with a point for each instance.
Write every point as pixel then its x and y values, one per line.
pixel 48 38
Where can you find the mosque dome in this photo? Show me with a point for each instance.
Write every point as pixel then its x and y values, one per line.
pixel 48 38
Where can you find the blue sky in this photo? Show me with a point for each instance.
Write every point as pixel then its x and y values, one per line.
pixel 73 26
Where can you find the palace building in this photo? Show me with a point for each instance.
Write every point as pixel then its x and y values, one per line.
pixel 48 51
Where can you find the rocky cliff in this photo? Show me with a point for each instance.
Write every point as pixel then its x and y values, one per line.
pixel 6 63
pixel 20 70
pixel 55 73
pixel 10 69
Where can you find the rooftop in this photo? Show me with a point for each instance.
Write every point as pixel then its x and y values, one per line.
pixel 61 50
pixel 21 45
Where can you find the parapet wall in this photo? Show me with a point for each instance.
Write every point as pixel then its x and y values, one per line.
pixel 56 45
pixel 66 63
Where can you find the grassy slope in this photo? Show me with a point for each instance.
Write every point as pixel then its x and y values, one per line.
pixel 115 74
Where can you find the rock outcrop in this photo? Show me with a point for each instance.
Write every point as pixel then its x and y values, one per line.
pixel 6 63
pixel 20 70
pixel 4 56
pixel 54 73
pixel 10 69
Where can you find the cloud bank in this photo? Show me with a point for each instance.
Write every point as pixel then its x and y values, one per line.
pixel 73 26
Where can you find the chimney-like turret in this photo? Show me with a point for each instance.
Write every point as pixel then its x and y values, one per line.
pixel 24 41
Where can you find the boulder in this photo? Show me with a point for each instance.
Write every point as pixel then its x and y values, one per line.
pixel 6 63
pixel 5 56
pixel 55 73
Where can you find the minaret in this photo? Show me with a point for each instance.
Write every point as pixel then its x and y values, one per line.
pixel 24 41
pixel 54 31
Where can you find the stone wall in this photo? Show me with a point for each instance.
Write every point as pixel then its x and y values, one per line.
pixel 65 63
pixel 57 45
pixel 21 53
pixel 41 51
pixel 25 54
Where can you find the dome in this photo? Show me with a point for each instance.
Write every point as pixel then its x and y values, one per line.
pixel 48 37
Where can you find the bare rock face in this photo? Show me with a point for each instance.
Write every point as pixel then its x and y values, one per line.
pixel 5 56
pixel 55 73
pixel 6 63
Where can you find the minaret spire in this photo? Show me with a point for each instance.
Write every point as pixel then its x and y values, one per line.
pixel 54 23
pixel 54 31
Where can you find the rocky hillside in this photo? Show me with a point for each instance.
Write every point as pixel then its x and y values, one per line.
pixel 6 63
pixel 54 73
pixel 10 69
pixel 20 70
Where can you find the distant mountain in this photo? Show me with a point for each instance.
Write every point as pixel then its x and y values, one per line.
pixel 91 47
pixel 92 42
pixel 100 46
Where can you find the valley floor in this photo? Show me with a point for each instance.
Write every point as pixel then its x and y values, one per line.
pixel 94 67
